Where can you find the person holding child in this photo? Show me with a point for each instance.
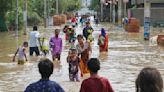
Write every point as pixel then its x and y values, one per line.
pixel 103 41
pixel 84 50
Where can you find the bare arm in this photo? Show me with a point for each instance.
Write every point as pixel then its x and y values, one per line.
pixel 15 55
pixel 25 54
pixel 61 44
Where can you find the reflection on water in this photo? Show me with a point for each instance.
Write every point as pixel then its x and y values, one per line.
pixel 128 54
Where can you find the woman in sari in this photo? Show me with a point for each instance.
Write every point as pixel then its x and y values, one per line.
pixel 83 49
pixel 103 41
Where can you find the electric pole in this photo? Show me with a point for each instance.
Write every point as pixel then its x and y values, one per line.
pixel 114 12
pixel 102 12
pixel 25 16
pixel 110 11
pixel 125 8
pixel 119 12
pixel 16 18
pixel 45 13
pixel 147 6
pixel 57 6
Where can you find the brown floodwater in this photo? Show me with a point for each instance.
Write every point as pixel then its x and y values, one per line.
pixel 128 54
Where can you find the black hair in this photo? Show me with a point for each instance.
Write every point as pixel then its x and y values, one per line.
pixel 72 50
pixel 94 65
pixel 25 43
pixel 80 36
pixel 35 28
pixel 149 80
pixel 57 30
pixel 45 68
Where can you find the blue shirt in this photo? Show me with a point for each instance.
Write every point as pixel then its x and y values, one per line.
pixel 44 86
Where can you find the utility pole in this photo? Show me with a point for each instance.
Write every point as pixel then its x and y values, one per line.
pixel 119 12
pixel 114 12
pixel 125 8
pixel 45 13
pixel 125 13
pixel 147 13
pixel 102 12
pixel 48 7
pixel 25 16
pixel 57 6
pixel 16 18
pixel 110 10
pixel 86 3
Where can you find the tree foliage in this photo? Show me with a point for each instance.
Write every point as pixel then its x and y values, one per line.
pixel 95 5
pixel 35 10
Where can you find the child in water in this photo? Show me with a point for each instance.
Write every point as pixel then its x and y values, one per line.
pixel 73 61
pixel 21 51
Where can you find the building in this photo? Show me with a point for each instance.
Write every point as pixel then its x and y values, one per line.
pixel 157 11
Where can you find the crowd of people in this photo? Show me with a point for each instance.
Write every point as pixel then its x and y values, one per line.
pixel 148 80
pixel 79 62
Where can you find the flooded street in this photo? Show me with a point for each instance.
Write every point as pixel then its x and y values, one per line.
pixel 128 53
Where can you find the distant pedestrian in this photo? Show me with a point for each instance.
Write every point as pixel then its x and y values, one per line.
pixel 56 45
pixel 87 32
pixel 96 21
pixel 103 41
pixel 95 83
pixel 45 84
pixel 44 45
pixel 72 34
pixel 21 51
pixel 149 80
pixel 65 30
pixel 73 61
pixel 34 37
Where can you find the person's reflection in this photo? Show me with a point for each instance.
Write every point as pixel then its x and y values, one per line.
pixel 103 56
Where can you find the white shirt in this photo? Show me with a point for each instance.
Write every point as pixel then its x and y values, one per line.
pixel 21 53
pixel 34 35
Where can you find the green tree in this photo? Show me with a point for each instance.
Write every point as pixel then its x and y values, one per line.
pixel 5 5
pixel 35 11
pixel 95 5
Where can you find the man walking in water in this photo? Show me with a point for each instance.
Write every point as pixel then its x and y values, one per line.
pixel 34 37
pixel 56 45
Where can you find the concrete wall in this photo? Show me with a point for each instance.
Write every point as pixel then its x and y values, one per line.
pixel 157 14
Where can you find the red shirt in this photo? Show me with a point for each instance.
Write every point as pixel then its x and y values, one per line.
pixel 73 20
pixel 96 84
